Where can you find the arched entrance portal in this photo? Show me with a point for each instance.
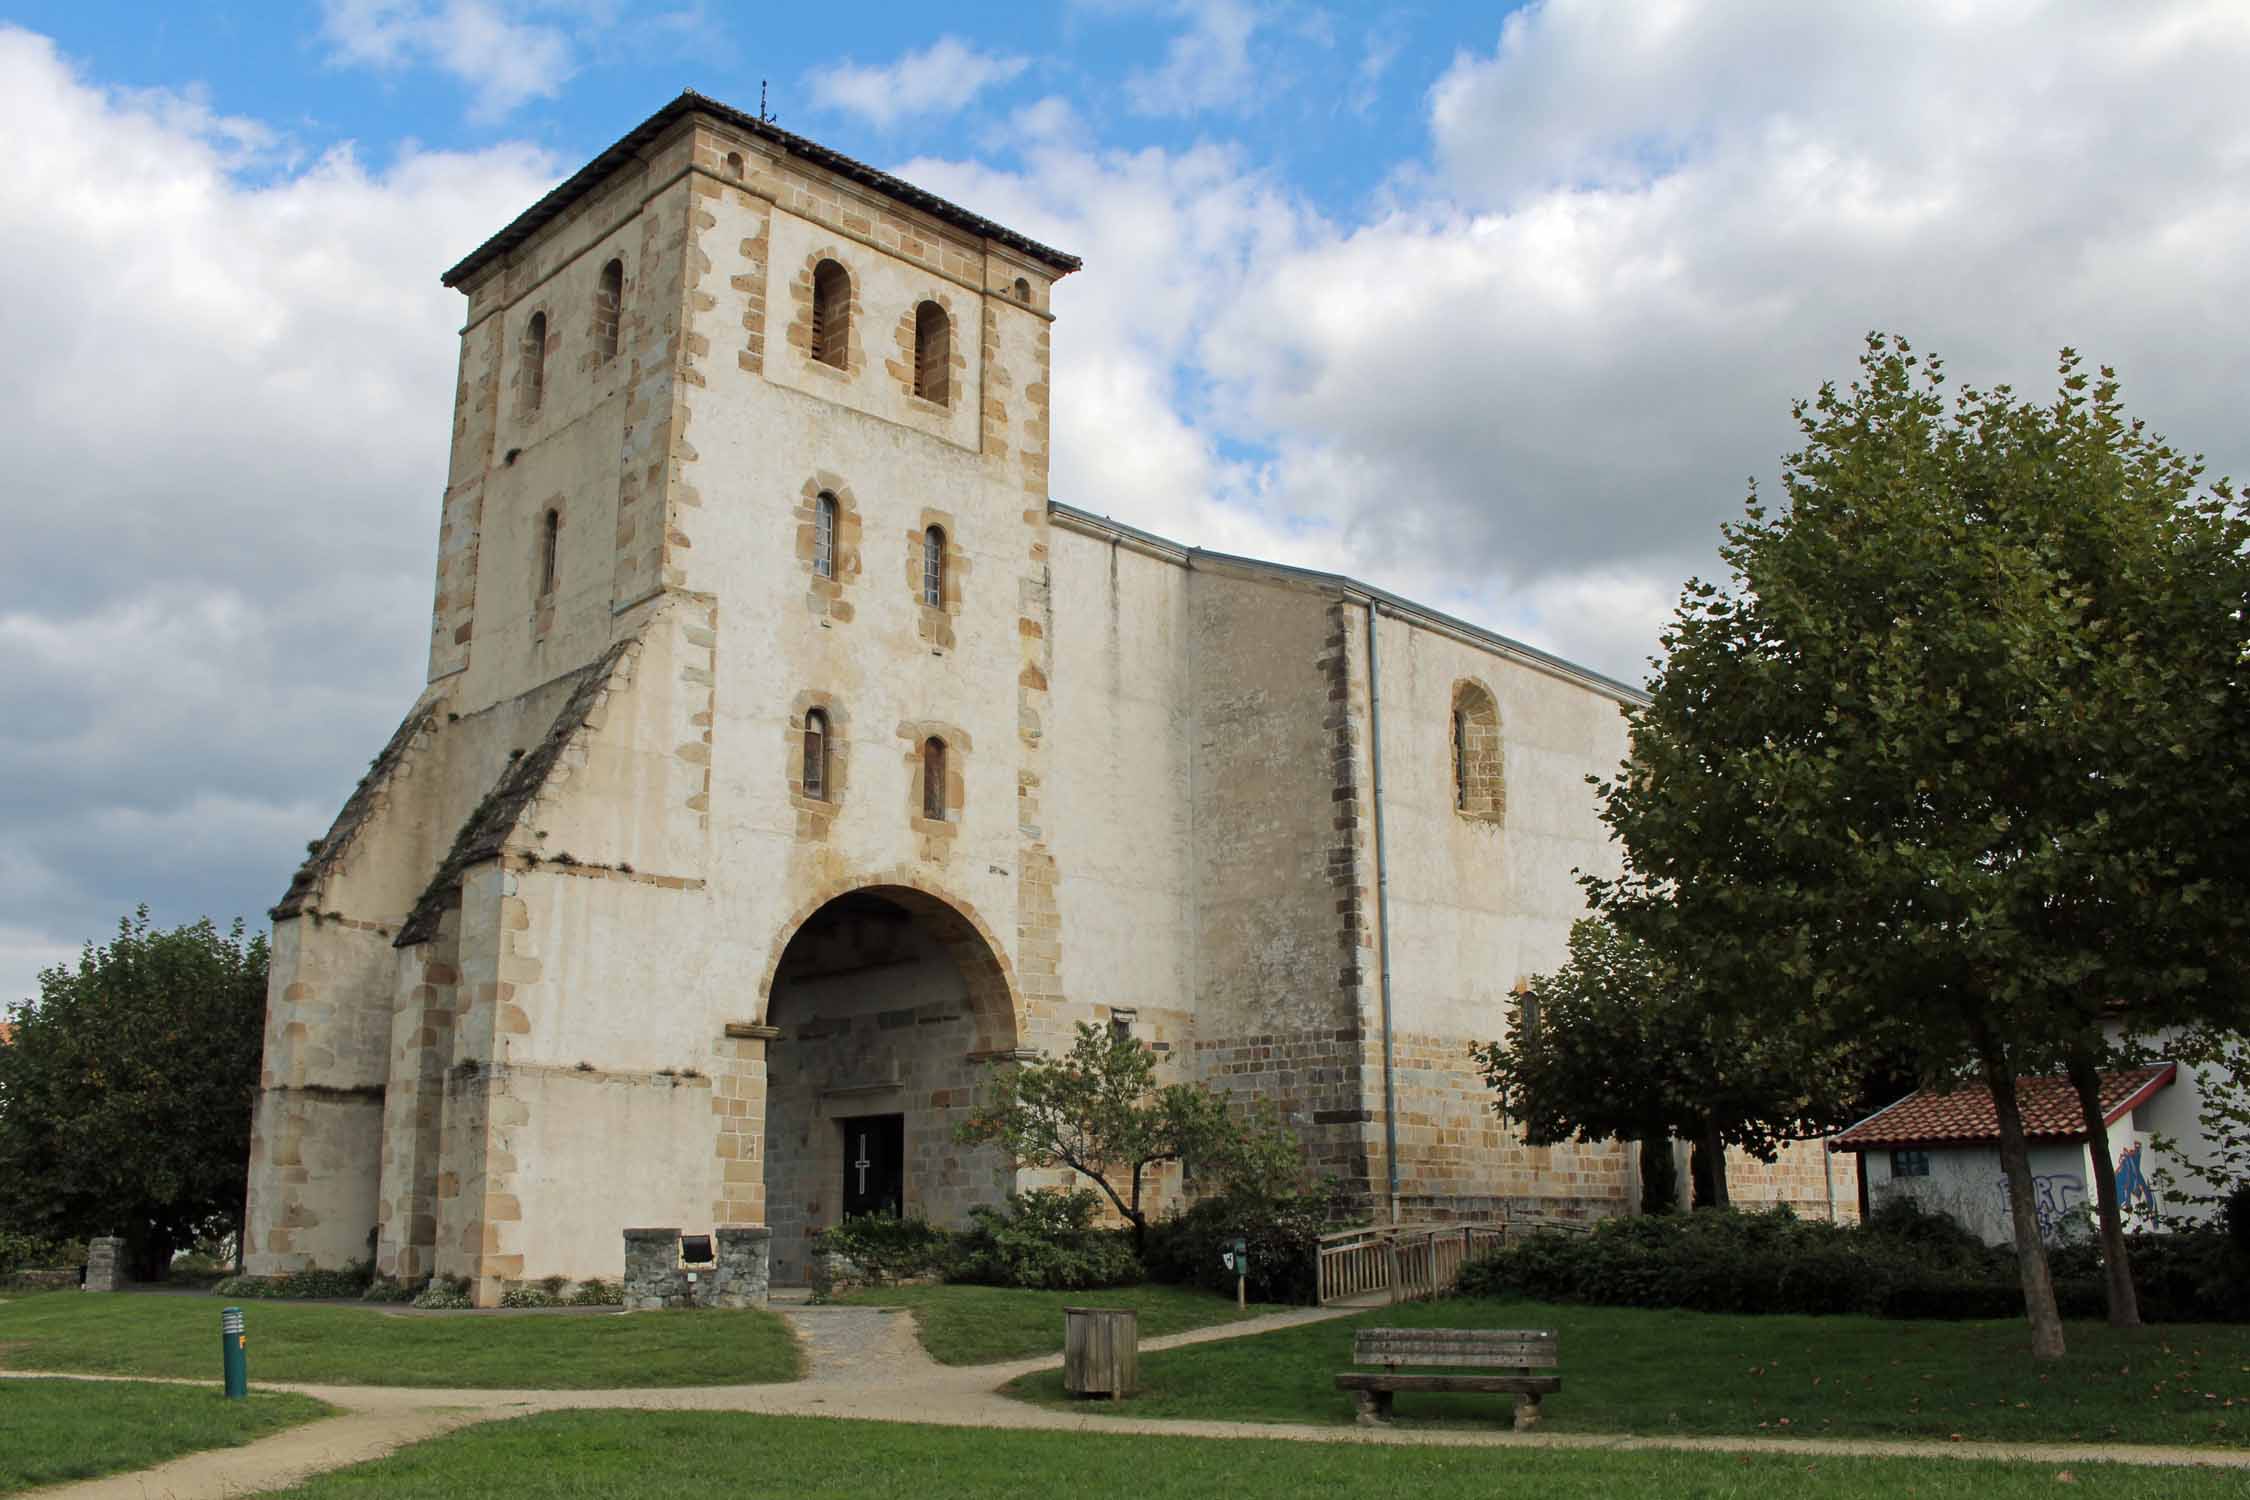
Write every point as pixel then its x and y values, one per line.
pixel 886 1003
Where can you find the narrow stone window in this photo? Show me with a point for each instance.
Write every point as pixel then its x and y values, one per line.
pixel 1460 760
pixel 831 314
pixel 824 536
pixel 734 164
pixel 816 755
pixel 933 567
pixel 535 362
pixel 550 550
pixel 1023 291
pixel 1478 790
pixel 933 779
pixel 933 353
pixel 609 298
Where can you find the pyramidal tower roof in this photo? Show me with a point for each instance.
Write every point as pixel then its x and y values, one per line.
pixel 583 181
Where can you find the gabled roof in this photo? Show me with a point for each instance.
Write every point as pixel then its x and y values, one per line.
pixel 534 218
pixel 1404 608
pixel 1966 1117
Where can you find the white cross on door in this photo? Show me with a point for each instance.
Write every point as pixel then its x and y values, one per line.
pixel 863 1164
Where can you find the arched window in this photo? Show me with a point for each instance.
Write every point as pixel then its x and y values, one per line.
pixel 824 535
pixel 933 352
pixel 550 551
pixel 1478 791
pixel 535 361
pixel 933 567
pixel 609 299
pixel 1023 291
pixel 831 314
pixel 1460 758
pixel 933 779
pixel 816 755
pixel 734 164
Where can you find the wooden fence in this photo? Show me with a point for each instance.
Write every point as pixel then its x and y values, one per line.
pixel 1401 1261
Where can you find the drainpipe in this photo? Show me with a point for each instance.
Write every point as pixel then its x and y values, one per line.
pixel 1382 905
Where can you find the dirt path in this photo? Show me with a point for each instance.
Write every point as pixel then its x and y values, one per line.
pixel 866 1363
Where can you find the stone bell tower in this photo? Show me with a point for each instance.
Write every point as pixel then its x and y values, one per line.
pixel 741 636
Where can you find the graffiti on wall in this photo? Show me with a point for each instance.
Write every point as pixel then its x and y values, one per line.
pixel 2052 1198
pixel 2133 1191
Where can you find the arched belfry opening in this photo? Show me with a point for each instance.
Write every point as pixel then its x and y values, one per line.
pixel 887 1006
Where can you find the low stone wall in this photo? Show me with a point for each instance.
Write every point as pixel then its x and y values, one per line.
pixel 739 1275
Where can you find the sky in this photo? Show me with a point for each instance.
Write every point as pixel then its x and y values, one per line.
pixel 1498 306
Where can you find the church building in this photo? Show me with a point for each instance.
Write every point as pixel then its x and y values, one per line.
pixel 790 759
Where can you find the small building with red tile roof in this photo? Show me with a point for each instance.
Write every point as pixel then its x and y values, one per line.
pixel 1941 1147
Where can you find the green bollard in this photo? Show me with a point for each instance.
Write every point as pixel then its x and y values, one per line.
pixel 231 1355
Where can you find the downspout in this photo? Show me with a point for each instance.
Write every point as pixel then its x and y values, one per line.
pixel 1382 906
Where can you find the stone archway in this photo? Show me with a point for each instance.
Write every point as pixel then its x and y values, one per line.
pixel 883 1006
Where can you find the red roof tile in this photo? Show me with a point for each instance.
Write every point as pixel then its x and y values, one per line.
pixel 1960 1117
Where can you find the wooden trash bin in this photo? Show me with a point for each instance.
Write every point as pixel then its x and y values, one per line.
pixel 1101 1351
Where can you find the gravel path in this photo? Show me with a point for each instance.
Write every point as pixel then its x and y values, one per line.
pixel 866 1363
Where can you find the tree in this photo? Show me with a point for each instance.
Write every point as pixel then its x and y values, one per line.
pixel 1098 1112
pixel 125 1095
pixel 1953 746
pixel 1618 1043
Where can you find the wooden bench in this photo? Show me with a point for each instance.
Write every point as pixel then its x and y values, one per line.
pixel 1518 1360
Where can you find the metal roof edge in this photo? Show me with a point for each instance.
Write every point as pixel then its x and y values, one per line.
pixel 521 228
pixel 1398 605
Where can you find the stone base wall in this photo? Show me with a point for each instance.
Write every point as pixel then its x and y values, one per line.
pixel 1797 1178
pixel 739 1275
pixel 1458 1156
pixel 1314 1078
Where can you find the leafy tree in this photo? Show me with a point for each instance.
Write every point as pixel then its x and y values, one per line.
pixel 2221 1179
pixel 1618 1043
pixel 1953 747
pixel 1097 1111
pixel 125 1095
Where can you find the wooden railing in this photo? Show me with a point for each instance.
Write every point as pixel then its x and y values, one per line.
pixel 1401 1260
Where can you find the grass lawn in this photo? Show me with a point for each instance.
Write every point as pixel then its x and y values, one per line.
pixel 1668 1371
pixel 585 1454
pixel 149 1334
pixel 982 1325
pixel 53 1430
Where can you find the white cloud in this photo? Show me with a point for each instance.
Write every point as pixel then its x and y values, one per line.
pixel 1530 381
pixel 940 79
pixel 225 462
pixel 505 59
pixel 1206 67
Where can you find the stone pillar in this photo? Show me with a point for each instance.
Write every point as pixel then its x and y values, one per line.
pixel 652 1270
pixel 105 1263
pixel 745 1266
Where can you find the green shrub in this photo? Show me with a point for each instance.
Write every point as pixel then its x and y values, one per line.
pixel 1903 1263
pixel 2194 1275
pixel 1045 1240
pixel 348 1282
pixel 887 1249
pixel 1280 1230
pixel 444 1292
pixel 529 1296
pixel 594 1292
pixel 391 1289
pixel 31 1252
